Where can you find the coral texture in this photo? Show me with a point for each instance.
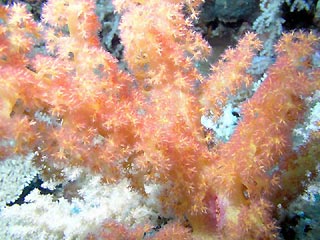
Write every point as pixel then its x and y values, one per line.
pixel 63 97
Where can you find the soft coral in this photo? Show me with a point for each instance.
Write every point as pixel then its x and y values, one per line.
pixel 262 141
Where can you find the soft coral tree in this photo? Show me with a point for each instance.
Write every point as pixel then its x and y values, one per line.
pixel 252 164
pixel 73 105
pixel 229 74
pixel 172 150
pixel 160 44
pixel 18 34
pixel 79 88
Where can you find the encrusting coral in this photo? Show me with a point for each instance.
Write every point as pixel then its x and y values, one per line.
pixel 144 124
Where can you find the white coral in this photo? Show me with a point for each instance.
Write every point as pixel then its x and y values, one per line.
pixel 48 217
pixel 15 173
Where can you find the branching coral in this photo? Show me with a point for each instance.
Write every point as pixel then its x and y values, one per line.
pixel 144 125
pixel 258 152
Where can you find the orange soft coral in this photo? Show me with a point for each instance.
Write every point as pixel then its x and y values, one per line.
pixel 229 74
pixel 81 21
pixel 157 43
pixel 73 105
pixel 262 143
pixel 18 34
